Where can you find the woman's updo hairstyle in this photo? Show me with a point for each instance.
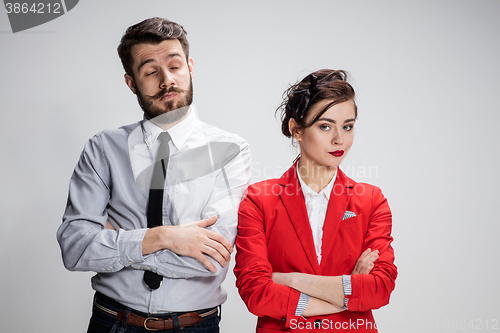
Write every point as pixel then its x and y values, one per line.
pixel 298 100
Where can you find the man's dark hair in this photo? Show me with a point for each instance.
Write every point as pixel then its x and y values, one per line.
pixel 151 31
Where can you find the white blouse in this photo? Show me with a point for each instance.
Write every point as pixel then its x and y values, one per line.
pixel 316 205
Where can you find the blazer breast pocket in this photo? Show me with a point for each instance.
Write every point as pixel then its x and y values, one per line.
pixel 351 221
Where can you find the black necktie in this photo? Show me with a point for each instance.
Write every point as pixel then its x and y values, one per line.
pixel 155 204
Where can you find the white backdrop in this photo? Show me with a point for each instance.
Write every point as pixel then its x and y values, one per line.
pixel 427 79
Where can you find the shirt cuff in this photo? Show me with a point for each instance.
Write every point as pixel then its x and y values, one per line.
pixel 302 304
pixel 293 299
pixel 130 246
pixel 346 284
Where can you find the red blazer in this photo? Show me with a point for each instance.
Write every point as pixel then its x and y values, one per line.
pixel 274 235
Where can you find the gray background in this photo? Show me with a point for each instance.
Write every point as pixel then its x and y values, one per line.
pixel 428 91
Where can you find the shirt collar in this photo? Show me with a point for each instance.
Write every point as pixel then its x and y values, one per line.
pixel 309 191
pixel 179 132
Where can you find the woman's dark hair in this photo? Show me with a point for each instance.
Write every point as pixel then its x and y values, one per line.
pixel 151 31
pixel 298 100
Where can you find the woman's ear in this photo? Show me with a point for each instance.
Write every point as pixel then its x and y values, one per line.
pixel 294 129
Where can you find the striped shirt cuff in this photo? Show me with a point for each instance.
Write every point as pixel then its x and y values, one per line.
pixel 346 284
pixel 302 304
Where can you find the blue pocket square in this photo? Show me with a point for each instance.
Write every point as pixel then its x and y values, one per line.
pixel 347 215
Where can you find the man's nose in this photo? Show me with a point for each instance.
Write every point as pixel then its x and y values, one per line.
pixel 166 80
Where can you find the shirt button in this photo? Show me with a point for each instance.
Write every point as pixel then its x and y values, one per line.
pixel 174 275
pixel 130 262
pixel 148 268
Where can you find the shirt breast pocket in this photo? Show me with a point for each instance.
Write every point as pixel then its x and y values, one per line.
pixel 191 196
pixel 194 188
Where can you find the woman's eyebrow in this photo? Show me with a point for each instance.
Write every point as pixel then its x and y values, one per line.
pixel 334 122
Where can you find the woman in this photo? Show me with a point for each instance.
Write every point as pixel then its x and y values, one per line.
pixel 300 236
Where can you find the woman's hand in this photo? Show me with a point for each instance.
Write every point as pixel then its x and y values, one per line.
pixel 326 288
pixel 364 265
pixel 327 292
pixel 284 279
pixel 316 306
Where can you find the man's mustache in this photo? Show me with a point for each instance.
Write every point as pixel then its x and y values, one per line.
pixel 165 91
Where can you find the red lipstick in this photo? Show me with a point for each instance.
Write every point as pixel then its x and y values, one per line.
pixel 337 153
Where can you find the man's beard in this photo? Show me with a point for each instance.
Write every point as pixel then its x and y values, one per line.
pixel 172 110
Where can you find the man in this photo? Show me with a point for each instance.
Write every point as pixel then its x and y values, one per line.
pixel 152 206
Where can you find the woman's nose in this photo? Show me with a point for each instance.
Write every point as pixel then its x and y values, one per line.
pixel 338 138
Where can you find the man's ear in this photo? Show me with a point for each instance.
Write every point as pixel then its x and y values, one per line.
pixel 129 80
pixel 191 66
pixel 294 129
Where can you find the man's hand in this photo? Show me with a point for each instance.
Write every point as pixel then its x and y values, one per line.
pixel 191 240
pixel 109 226
pixel 364 265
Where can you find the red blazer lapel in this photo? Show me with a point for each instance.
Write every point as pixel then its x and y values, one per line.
pixel 294 203
pixel 337 205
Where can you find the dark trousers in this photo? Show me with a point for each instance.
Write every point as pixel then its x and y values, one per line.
pixel 102 321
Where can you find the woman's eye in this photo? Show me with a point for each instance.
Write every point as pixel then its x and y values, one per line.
pixel 348 127
pixel 325 127
pixel 151 73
